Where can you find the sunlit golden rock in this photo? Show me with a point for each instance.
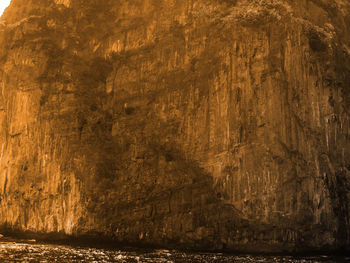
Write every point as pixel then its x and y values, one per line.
pixel 189 123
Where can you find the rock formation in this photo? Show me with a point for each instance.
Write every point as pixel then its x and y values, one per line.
pixel 211 124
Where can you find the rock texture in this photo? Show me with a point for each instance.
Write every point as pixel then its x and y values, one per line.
pixel 205 124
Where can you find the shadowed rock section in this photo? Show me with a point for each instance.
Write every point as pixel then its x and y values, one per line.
pixel 180 123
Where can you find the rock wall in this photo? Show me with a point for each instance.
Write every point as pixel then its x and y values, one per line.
pixel 190 123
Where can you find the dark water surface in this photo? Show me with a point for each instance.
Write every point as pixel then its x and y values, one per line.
pixel 30 252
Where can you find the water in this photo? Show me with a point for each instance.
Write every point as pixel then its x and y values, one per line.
pixel 30 252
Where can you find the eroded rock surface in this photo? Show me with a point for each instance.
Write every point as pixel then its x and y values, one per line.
pixel 193 123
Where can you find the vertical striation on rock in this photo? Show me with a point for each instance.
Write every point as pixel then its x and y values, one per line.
pixel 191 123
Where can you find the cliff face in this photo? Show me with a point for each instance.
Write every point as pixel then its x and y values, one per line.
pixel 196 123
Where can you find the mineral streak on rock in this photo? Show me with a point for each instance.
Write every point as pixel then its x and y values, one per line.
pixel 192 123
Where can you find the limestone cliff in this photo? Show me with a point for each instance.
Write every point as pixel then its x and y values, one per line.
pixel 194 123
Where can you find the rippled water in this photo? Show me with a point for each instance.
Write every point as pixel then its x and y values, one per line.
pixel 45 253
